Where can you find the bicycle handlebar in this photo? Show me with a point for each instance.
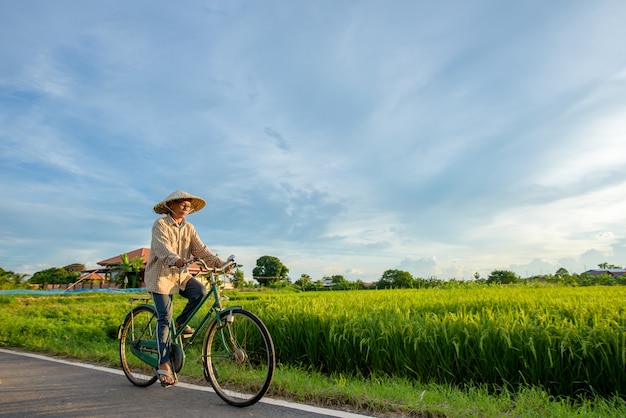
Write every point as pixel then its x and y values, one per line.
pixel 230 261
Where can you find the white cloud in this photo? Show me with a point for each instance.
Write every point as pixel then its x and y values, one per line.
pixel 590 152
pixel 562 228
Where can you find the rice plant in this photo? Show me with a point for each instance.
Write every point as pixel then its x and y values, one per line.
pixel 570 341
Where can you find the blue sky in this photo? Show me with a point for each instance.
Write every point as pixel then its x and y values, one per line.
pixel 343 137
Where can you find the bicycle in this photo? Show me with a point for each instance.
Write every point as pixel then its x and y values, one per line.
pixel 238 355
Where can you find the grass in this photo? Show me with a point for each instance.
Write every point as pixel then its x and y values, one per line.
pixel 85 326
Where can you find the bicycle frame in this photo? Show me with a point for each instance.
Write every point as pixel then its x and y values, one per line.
pixel 216 309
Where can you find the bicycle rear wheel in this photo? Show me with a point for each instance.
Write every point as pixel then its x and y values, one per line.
pixel 238 357
pixel 138 337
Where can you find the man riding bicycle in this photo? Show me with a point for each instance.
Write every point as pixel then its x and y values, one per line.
pixel 174 240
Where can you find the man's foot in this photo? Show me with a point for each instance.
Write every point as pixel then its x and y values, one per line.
pixel 188 332
pixel 165 375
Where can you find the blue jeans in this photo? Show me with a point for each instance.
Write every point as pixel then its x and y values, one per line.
pixel 194 292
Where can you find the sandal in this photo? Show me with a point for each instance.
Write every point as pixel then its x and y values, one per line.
pixel 162 374
pixel 187 331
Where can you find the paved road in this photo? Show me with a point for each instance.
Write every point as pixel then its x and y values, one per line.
pixel 37 386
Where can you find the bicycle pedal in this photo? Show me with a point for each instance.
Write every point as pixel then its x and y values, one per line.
pixel 187 332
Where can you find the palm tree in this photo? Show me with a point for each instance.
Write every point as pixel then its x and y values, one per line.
pixel 129 272
pixel 10 280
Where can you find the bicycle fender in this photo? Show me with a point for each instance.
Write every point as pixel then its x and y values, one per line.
pixel 149 305
pixel 230 308
pixel 225 312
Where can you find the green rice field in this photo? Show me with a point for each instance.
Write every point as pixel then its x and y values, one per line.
pixel 568 341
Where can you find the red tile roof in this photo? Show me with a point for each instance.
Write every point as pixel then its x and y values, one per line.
pixel 140 252
pixel 92 276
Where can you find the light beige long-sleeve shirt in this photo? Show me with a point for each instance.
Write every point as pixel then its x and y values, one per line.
pixel 169 243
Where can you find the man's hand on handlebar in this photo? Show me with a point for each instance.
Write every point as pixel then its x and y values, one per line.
pixel 229 265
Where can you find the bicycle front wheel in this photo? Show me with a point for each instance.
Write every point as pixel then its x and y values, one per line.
pixel 138 339
pixel 238 357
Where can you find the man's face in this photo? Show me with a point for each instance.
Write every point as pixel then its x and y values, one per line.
pixel 181 208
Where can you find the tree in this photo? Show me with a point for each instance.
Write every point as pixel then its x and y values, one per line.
pixel 304 282
pixel 74 268
pixel 395 279
pixel 268 270
pixel 54 275
pixel 503 277
pixel 606 265
pixel 385 282
pixel 238 279
pixel 10 280
pixel 338 282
